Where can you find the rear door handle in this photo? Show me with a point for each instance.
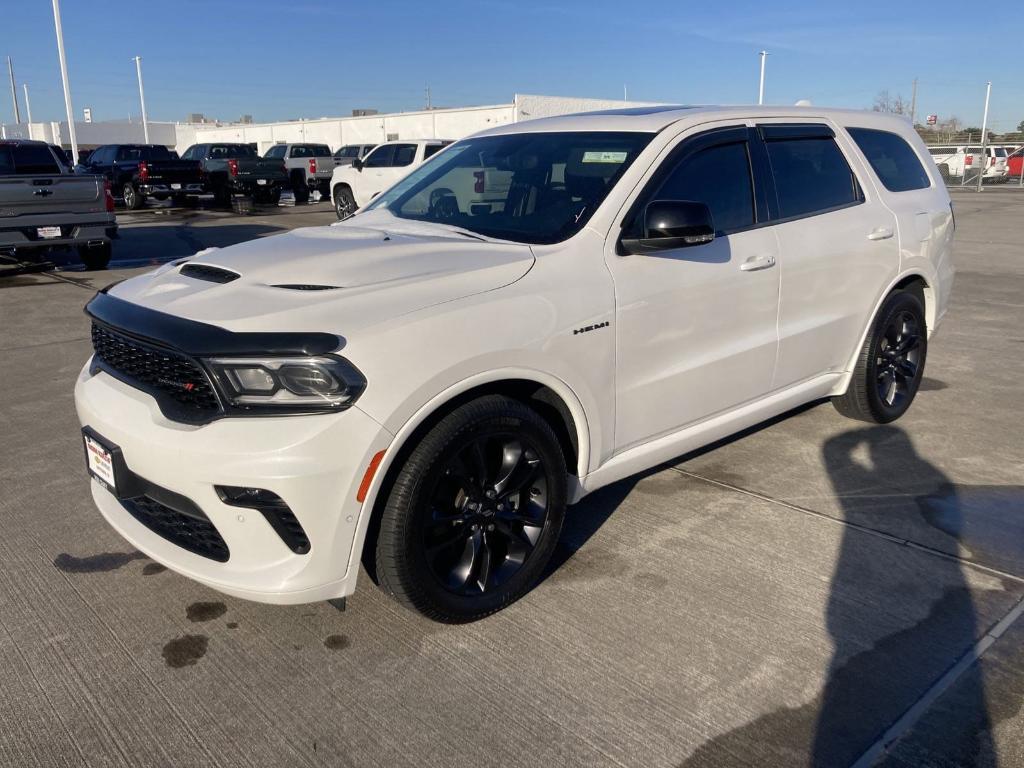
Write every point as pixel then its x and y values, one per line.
pixel 755 263
pixel 880 233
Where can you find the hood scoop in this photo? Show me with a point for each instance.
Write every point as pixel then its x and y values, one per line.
pixel 208 273
pixel 306 287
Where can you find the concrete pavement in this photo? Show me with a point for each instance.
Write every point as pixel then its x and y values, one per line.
pixel 782 599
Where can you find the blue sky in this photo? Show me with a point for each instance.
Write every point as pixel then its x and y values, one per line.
pixel 279 60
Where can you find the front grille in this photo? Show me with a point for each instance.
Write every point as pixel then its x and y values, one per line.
pixel 157 370
pixel 209 273
pixel 195 534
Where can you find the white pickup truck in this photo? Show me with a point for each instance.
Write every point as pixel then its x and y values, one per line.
pixel 355 185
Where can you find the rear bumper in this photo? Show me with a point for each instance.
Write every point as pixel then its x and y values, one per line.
pixel 25 236
pixel 249 186
pixel 190 188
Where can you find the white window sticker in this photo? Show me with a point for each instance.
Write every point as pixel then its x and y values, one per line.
pixel 604 157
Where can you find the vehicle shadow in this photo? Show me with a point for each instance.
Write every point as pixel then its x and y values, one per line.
pixel 872 680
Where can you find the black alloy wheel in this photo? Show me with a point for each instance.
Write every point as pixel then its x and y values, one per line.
pixel 897 359
pixel 473 513
pixel 132 199
pixel 891 362
pixel 487 510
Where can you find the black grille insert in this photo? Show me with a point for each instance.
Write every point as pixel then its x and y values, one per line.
pixel 196 534
pixel 306 287
pixel 161 372
pixel 208 273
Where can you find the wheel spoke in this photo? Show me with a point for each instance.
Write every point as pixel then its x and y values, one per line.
pixel 485 562
pixel 464 568
pixel 908 343
pixel 477 462
pixel 446 540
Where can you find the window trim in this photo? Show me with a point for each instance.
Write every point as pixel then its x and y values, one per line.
pixel 791 131
pixel 691 145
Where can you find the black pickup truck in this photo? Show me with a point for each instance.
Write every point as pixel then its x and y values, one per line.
pixel 231 169
pixel 138 171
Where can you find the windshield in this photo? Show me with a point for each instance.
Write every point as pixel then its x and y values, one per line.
pixel 525 187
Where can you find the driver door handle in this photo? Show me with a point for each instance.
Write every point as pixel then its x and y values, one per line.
pixel 755 263
pixel 880 233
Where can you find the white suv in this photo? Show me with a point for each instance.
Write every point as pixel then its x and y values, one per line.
pixel 426 385
pixel 356 184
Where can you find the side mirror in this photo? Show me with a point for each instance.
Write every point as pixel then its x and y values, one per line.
pixel 668 224
pixel 357 163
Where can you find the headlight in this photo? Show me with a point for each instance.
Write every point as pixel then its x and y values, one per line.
pixel 299 383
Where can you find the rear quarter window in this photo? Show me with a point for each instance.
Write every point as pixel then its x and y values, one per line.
pixel 811 176
pixel 892 159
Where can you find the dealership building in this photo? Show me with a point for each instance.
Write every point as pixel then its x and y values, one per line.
pixel 452 123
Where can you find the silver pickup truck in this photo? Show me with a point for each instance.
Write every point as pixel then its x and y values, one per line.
pixel 309 167
pixel 44 205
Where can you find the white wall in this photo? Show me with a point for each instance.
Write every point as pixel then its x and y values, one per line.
pixel 532 107
pixel 94 134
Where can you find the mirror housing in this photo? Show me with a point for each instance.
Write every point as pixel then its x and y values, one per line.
pixel 357 163
pixel 669 224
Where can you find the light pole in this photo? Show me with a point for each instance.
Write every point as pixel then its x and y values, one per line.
pixel 14 91
pixel 760 89
pixel 984 136
pixel 142 98
pixel 64 81
pixel 28 106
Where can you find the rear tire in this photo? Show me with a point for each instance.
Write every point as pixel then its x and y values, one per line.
pixel 133 200
pixel 300 189
pixel 222 197
pixel 891 362
pixel 97 257
pixel 344 202
pixel 474 513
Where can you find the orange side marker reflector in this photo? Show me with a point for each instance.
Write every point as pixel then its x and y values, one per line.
pixel 364 487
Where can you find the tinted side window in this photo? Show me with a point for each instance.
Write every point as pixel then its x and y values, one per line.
pixel 321 150
pixel 301 151
pixel 432 150
pixel 6 161
pixel 811 176
pixel 276 152
pixel 380 157
pixel 719 177
pixel 404 154
pixel 34 159
pixel 892 159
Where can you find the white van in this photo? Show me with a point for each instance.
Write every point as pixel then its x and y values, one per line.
pixel 954 159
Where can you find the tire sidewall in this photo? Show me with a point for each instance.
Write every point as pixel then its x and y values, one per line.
pixel 410 498
pixel 900 301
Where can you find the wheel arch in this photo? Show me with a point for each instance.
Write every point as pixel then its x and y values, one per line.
pixel 913 281
pixel 550 397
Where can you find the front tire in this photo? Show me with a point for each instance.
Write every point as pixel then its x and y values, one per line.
pixel 474 513
pixel 344 202
pixel 891 363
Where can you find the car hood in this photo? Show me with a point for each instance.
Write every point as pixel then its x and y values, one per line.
pixel 335 278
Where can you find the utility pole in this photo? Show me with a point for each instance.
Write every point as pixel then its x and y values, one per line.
pixel 142 99
pixel 64 80
pixel 625 95
pixel 760 89
pixel 913 104
pixel 28 107
pixel 14 91
pixel 428 97
pixel 984 136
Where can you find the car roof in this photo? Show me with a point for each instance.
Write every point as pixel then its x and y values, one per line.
pixel 654 118
pixel 20 142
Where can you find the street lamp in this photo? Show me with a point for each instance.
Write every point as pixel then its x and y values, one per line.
pixel 760 89
pixel 142 98
pixel 64 80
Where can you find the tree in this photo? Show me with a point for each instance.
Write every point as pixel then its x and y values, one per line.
pixel 895 105
pixel 1020 127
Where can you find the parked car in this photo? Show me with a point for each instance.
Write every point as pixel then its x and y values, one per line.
pixel 230 169
pixel 44 205
pixel 954 160
pixel 309 168
pixel 346 154
pixel 140 171
pixel 354 185
pixel 1014 161
pixel 425 386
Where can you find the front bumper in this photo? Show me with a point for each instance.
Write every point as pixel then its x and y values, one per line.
pixel 314 463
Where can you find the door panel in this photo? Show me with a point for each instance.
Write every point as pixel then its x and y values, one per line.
pixel 696 327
